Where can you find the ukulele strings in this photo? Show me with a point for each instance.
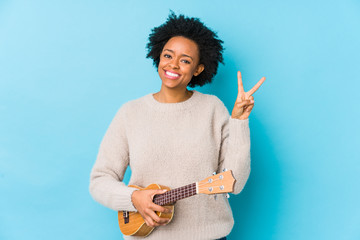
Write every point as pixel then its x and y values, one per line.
pixel 177 191
pixel 185 190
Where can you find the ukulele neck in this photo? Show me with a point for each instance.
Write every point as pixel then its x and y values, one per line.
pixel 175 195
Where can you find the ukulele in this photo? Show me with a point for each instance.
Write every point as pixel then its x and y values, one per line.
pixel 132 223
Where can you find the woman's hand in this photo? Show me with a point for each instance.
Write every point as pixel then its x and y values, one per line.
pixel 143 202
pixel 245 101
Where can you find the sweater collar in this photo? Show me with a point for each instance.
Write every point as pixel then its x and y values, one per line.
pixel 152 102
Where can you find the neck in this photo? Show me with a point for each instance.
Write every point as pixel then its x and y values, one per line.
pixel 166 95
pixel 174 195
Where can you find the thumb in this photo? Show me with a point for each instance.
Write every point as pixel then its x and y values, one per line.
pixel 159 191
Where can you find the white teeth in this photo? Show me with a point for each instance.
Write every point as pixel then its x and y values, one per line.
pixel 172 74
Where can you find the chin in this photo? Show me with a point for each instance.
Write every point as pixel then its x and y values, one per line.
pixel 169 83
pixel 171 86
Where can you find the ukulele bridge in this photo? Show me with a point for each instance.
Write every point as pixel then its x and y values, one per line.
pixel 126 217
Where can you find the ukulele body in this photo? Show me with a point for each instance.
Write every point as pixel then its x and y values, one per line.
pixel 132 223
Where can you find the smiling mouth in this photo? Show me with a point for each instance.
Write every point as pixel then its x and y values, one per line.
pixel 172 75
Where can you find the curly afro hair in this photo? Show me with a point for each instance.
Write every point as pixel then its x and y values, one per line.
pixel 210 46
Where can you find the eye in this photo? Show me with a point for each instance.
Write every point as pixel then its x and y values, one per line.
pixel 167 55
pixel 185 61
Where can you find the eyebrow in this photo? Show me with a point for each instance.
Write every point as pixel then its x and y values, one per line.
pixel 181 54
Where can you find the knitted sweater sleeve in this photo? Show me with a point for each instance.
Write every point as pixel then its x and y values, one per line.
pixel 235 148
pixel 106 185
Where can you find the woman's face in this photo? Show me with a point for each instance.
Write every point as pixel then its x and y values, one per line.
pixel 179 62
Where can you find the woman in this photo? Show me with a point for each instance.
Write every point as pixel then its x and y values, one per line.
pixel 175 137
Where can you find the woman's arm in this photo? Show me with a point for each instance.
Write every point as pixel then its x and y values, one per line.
pixel 235 149
pixel 106 185
pixel 235 132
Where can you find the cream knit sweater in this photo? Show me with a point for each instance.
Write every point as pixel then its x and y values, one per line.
pixel 174 144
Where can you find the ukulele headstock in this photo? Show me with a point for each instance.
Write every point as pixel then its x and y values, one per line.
pixel 219 183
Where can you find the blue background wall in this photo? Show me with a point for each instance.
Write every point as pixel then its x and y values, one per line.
pixel 67 66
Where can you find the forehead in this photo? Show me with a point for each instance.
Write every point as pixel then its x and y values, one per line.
pixel 182 45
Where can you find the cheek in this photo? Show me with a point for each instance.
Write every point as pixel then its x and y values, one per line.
pixel 163 62
pixel 191 70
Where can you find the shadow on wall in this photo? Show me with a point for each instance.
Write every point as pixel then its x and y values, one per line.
pixel 256 208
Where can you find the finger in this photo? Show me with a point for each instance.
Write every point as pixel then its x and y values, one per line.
pixel 250 107
pixel 156 207
pixel 151 218
pixel 157 219
pixel 240 84
pixel 148 221
pixel 244 103
pixel 151 223
pixel 159 208
pixel 256 87
pixel 158 192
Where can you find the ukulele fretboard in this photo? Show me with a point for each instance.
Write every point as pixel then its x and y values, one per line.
pixel 175 194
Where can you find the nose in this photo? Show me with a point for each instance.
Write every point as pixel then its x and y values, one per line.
pixel 174 64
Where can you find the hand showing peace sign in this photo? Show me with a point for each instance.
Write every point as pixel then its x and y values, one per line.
pixel 245 101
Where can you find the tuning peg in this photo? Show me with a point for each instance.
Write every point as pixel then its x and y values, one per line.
pixel 214 173
pixel 224 170
pixel 227 195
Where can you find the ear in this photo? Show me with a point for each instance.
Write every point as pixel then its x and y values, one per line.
pixel 199 69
